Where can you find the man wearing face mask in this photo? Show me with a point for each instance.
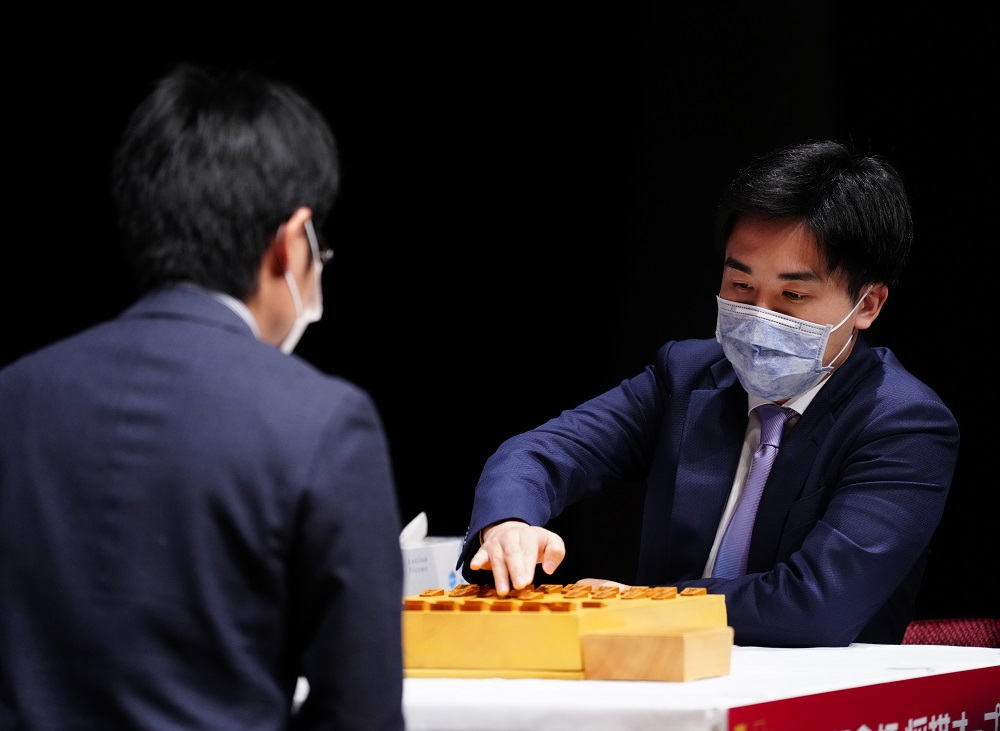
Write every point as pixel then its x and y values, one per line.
pixel 828 547
pixel 191 518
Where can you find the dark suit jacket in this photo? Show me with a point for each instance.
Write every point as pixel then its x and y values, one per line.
pixel 189 521
pixel 843 528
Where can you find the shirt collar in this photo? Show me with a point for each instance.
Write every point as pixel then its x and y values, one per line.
pixel 797 404
pixel 232 303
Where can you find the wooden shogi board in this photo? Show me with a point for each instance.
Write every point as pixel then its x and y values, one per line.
pixel 568 631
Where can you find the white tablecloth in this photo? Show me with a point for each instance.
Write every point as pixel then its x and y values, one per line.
pixel 757 675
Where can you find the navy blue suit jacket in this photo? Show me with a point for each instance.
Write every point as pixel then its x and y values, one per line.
pixel 190 520
pixel 845 521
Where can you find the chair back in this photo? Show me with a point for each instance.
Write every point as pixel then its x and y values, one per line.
pixel 964 632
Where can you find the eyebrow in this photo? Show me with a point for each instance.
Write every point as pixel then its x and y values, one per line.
pixel 805 276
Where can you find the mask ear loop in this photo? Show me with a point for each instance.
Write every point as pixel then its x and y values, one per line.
pixel 853 332
pixel 294 289
pixel 317 260
pixel 289 279
pixel 853 309
pixel 314 261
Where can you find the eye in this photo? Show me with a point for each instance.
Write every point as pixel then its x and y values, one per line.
pixel 793 296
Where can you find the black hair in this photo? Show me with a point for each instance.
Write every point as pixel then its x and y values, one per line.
pixel 209 166
pixel 854 204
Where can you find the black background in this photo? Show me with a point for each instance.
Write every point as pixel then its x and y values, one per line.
pixel 526 208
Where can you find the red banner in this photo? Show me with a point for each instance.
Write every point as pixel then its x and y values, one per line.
pixel 968 700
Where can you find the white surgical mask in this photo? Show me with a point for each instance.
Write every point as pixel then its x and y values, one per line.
pixel 313 309
pixel 775 356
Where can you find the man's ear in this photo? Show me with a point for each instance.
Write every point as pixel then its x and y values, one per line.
pixel 277 253
pixel 283 248
pixel 871 306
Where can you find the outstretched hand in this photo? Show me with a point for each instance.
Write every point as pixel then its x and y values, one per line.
pixel 512 549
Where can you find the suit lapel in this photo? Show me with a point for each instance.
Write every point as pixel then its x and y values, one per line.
pixel 793 465
pixel 709 450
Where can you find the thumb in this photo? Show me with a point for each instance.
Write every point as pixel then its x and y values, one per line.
pixel 480 560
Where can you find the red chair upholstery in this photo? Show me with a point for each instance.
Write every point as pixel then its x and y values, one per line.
pixel 965 632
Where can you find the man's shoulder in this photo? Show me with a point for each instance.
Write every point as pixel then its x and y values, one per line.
pixel 695 359
pixel 705 350
pixel 297 387
pixel 876 386
pixel 896 382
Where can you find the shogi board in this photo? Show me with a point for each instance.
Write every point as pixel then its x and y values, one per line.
pixel 568 631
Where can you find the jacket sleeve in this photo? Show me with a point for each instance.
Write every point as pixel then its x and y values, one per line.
pixel 535 475
pixel 347 581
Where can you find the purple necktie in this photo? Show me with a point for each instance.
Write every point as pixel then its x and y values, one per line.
pixel 732 558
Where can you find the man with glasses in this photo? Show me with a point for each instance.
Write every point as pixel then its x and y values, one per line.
pixel 191 517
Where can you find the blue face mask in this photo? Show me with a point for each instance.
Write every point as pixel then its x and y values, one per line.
pixel 775 356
